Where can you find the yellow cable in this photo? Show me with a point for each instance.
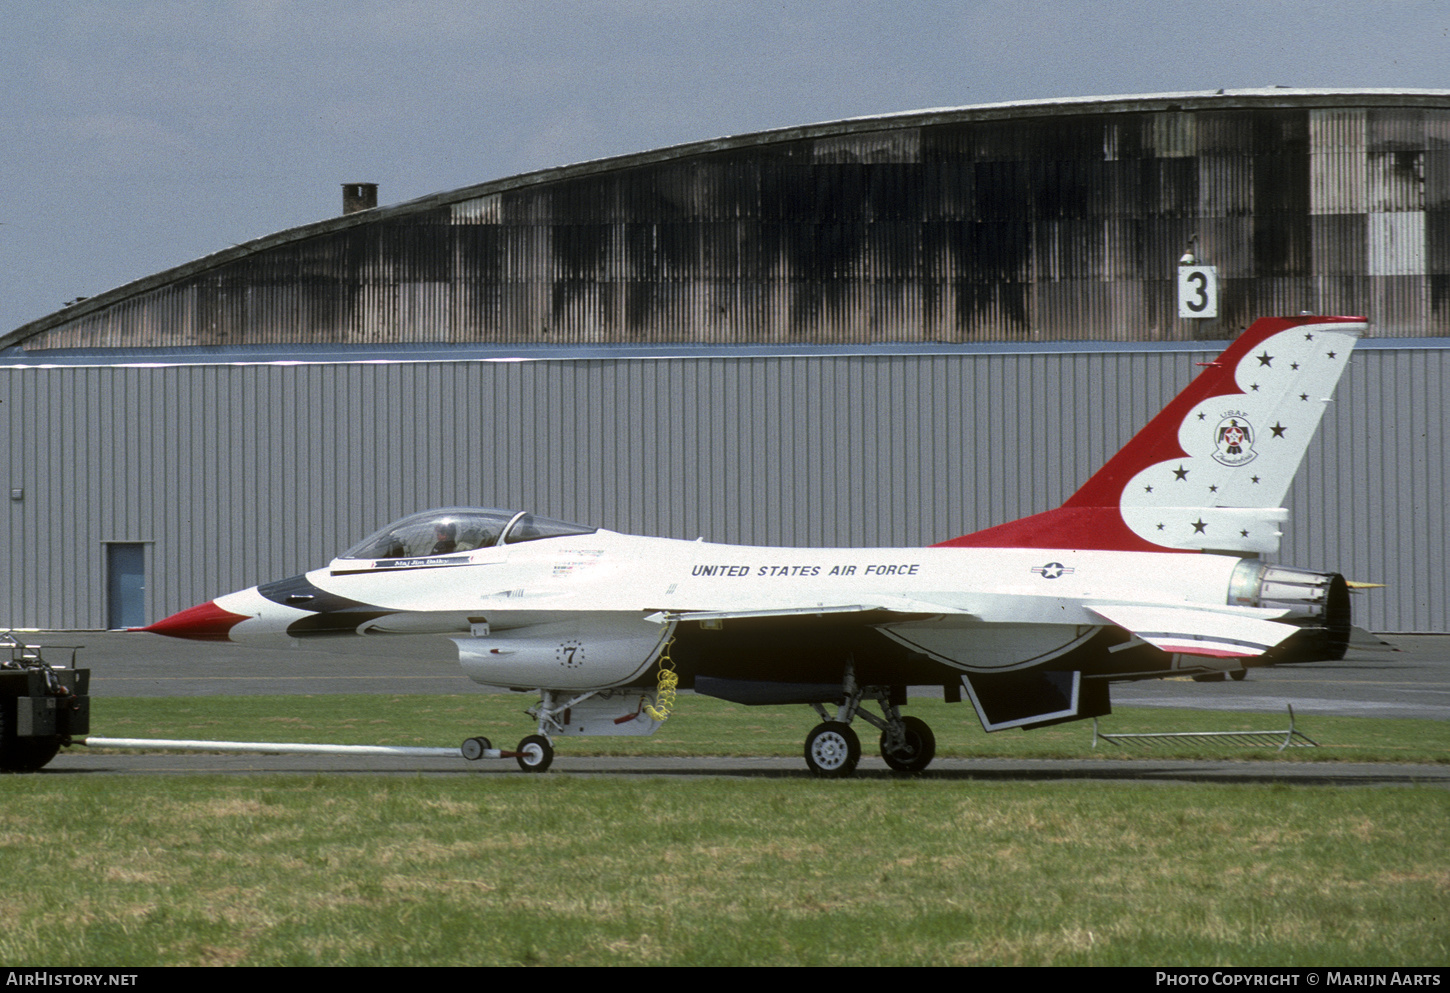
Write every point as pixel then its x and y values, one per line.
pixel 669 680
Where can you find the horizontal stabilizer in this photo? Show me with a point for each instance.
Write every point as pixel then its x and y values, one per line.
pixel 1362 641
pixel 1185 631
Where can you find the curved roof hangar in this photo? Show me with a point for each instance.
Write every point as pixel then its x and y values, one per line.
pixel 1035 221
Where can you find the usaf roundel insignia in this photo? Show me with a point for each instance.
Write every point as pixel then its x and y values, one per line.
pixel 1233 441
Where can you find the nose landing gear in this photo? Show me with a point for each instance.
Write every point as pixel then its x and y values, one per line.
pixel 535 754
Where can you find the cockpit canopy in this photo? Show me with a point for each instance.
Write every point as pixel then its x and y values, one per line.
pixel 458 529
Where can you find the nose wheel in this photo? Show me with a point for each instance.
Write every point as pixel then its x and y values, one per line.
pixel 535 754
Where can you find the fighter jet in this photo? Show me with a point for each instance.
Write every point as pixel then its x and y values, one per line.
pixel 1153 568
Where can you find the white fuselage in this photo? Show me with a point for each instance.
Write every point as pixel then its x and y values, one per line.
pixel 524 614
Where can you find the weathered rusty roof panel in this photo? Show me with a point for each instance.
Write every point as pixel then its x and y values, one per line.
pixel 1022 222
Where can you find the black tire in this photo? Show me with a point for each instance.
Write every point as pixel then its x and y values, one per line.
pixel 832 750
pixel 473 748
pixel 27 754
pixel 535 754
pixel 919 750
pixel 23 754
pixel 1238 675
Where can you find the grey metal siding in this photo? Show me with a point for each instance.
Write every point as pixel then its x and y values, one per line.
pixel 237 474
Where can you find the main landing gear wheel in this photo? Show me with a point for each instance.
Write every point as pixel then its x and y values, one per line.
pixel 535 753
pixel 916 752
pixel 473 748
pixel 832 750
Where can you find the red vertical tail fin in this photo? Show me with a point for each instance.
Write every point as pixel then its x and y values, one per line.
pixel 1212 469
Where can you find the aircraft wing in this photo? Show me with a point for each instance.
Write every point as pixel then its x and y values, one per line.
pixel 1189 631
pixel 1228 633
pixel 880 604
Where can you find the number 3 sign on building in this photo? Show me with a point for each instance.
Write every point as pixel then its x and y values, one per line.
pixel 1197 291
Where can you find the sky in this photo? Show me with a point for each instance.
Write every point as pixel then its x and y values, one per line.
pixel 141 135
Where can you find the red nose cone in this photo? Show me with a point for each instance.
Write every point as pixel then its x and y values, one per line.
pixel 204 622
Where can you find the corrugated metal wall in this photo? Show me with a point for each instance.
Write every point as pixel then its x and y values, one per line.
pixel 242 473
pixel 961 227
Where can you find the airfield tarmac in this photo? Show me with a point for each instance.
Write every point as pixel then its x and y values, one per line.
pixel 1413 682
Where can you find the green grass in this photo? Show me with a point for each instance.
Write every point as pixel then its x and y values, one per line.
pixel 705 726
pixel 554 869
pixel 550 870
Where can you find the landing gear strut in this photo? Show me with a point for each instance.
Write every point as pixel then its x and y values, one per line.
pixel 833 747
pixel 536 752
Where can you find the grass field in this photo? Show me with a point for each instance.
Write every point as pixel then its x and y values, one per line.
pixel 554 869
pixel 574 870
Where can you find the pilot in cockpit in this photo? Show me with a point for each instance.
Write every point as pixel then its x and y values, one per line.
pixel 447 534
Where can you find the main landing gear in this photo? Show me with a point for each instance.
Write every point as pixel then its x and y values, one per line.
pixel 833 748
